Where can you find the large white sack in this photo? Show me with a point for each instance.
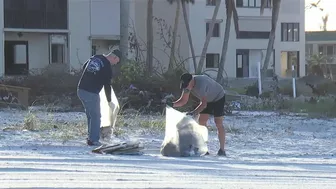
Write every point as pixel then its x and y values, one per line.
pixel 109 111
pixel 183 136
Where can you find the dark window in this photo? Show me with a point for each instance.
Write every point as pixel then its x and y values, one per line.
pixel 212 60
pixel 216 30
pixel 320 49
pixel 211 2
pixel 290 32
pixel 36 14
pixel 57 53
pixel 252 3
pixel 253 35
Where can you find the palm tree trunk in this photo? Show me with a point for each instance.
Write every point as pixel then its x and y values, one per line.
pixel 220 78
pixel 208 37
pixel 149 57
pixel 186 20
pixel 172 49
pixel 275 15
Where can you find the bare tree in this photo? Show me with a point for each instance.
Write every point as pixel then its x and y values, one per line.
pixel 230 10
pixel 149 57
pixel 275 14
pixel 208 37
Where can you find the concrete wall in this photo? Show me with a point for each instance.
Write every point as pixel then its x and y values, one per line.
pixel 2 40
pixel 105 17
pixel 38 48
pixel 79 37
pixel 105 22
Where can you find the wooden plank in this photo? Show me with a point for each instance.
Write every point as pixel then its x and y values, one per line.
pixel 13 87
pixel 14 95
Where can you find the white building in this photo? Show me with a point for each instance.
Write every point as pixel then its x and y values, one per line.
pixel 245 51
pixel 70 31
pixel 61 34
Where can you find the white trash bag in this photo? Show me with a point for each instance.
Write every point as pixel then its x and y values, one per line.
pixel 184 137
pixel 109 112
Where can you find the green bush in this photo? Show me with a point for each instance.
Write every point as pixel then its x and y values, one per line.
pixel 252 90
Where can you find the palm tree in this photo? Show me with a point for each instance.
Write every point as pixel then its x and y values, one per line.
pixel 230 9
pixel 325 22
pixel 208 37
pixel 149 57
pixel 275 14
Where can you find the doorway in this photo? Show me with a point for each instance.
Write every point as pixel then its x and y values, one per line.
pixel 242 63
pixel 58 49
pixel 16 58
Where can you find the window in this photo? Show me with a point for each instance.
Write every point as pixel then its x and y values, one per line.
pixel 216 30
pixel 211 2
pixel 57 53
pixel 328 50
pixel 309 49
pixel 252 3
pixel 212 60
pixel 253 35
pixel 290 32
pixel 20 54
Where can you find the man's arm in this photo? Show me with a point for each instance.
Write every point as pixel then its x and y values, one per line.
pixel 202 105
pixel 183 99
pixel 107 84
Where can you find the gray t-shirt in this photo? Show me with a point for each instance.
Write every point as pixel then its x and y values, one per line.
pixel 206 86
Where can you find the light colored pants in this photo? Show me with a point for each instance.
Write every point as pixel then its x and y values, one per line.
pixel 91 103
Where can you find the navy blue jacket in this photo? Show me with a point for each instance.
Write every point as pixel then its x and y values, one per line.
pixel 97 73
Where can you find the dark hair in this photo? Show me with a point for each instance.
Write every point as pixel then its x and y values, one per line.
pixel 185 80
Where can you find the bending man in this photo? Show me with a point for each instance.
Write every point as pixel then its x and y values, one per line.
pixel 212 99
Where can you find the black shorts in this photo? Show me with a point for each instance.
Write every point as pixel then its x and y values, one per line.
pixel 215 108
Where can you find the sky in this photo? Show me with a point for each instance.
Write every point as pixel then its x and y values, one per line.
pixel 313 17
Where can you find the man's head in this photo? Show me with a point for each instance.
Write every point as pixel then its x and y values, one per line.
pixel 186 81
pixel 114 56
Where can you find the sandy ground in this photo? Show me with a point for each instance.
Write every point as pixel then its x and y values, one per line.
pixel 265 150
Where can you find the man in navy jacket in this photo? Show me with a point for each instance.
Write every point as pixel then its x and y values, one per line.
pixel 96 75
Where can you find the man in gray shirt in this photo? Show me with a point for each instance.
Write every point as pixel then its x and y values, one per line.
pixel 212 99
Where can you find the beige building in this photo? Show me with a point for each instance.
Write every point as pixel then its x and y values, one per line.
pixel 63 34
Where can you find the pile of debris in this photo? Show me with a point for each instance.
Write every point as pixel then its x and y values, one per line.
pixel 142 100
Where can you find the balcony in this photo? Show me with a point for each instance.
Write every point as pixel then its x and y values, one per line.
pixel 36 14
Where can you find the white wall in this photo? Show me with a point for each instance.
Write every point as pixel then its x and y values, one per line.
pixel 105 17
pixel 79 41
pixel 2 58
pixel 38 48
pixel 255 56
pixel 105 22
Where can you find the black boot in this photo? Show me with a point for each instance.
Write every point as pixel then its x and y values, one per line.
pixel 221 152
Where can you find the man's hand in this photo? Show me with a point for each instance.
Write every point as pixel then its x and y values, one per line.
pixel 169 103
pixel 191 114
